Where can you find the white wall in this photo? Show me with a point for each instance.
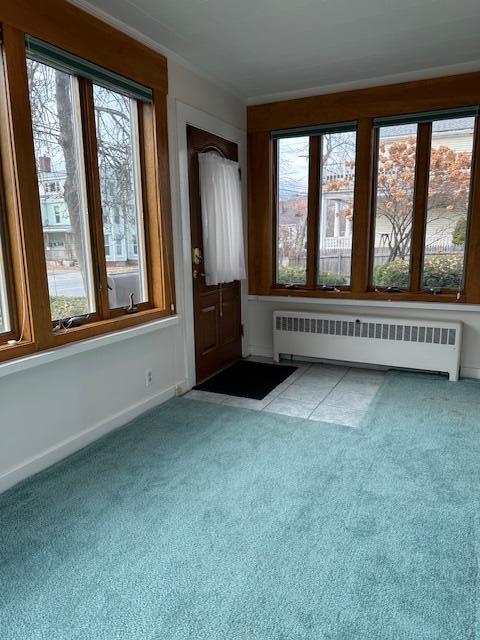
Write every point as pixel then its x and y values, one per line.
pixel 51 410
pixel 261 335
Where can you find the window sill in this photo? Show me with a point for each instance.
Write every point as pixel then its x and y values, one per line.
pixel 365 302
pixel 58 353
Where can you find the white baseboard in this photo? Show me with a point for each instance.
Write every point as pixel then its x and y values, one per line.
pixel 470 372
pixel 82 439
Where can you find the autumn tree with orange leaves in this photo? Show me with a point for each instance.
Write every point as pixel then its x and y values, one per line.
pixel 449 183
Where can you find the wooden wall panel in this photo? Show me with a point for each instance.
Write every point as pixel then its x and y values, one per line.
pixel 362 206
pixel 408 97
pixel 260 219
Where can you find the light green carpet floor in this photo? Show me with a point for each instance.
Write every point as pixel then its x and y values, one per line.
pixel 199 521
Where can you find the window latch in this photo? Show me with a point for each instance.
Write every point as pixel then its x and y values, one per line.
pixel 132 308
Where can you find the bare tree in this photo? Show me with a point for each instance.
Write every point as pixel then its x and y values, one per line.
pixel 54 117
pixel 449 183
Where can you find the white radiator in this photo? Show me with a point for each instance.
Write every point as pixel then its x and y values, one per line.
pixel 418 344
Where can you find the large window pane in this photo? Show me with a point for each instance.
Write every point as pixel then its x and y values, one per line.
pixel 61 183
pixel 4 310
pixel 394 205
pixel 447 205
pixel 292 197
pixel 120 185
pixel 336 208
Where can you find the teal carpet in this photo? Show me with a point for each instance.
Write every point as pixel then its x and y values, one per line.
pixel 198 522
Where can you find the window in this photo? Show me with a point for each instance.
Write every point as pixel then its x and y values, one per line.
pixel 87 144
pixel 292 210
pixel 336 207
pixel 394 202
pixel 381 206
pixel 117 127
pixel 57 134
pixel 316 178
pixel 448 198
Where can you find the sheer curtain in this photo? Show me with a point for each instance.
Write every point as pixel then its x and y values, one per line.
pixel 222 221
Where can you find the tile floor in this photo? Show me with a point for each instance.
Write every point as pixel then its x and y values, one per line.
pixel 327 393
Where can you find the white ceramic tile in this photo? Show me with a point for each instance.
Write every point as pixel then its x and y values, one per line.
pixel 206 396
pixel 337 415
pixel 348 400
pixel 289 408
pixel 365 374
pixel 326 372
pixel 358 386
pixel 309 394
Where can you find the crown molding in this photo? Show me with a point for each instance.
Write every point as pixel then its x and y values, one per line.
pixel 365 83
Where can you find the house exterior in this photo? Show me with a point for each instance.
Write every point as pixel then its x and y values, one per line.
pixel 120 235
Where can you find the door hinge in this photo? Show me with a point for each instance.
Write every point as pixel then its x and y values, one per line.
pixel 242 331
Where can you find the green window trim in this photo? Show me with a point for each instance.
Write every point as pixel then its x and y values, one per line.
pixel 428 116
pixel 319 130
pixel 65 61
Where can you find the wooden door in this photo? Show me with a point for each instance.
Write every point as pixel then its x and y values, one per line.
pixel 217 309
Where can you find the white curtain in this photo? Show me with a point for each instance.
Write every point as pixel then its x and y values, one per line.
pixel 222 222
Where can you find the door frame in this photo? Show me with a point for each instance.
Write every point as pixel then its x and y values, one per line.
pixel 188 115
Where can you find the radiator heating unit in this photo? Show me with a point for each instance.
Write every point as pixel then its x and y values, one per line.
pixel 395 342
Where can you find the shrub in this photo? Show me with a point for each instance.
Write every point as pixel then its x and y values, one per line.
pixel 394 273
pixel 296 275
pixel 441 271
pixel 329 278
pixel 291 275
pixel 458 235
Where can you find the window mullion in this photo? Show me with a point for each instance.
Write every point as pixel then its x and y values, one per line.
pixel 93 195
pixel 422 166
pixel 313 209
pixel 472 281
pixel 362 205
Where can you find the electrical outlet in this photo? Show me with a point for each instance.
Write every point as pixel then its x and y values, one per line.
pixel 148 377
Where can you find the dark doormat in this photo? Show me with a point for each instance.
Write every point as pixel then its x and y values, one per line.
pixel 247 379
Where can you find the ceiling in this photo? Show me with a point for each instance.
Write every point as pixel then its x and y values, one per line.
pixel 265 47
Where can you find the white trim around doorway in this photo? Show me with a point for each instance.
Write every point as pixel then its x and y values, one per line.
pixel 188 115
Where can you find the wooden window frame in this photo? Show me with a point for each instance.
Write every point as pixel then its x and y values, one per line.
pixel 68 27
pixel 362 106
